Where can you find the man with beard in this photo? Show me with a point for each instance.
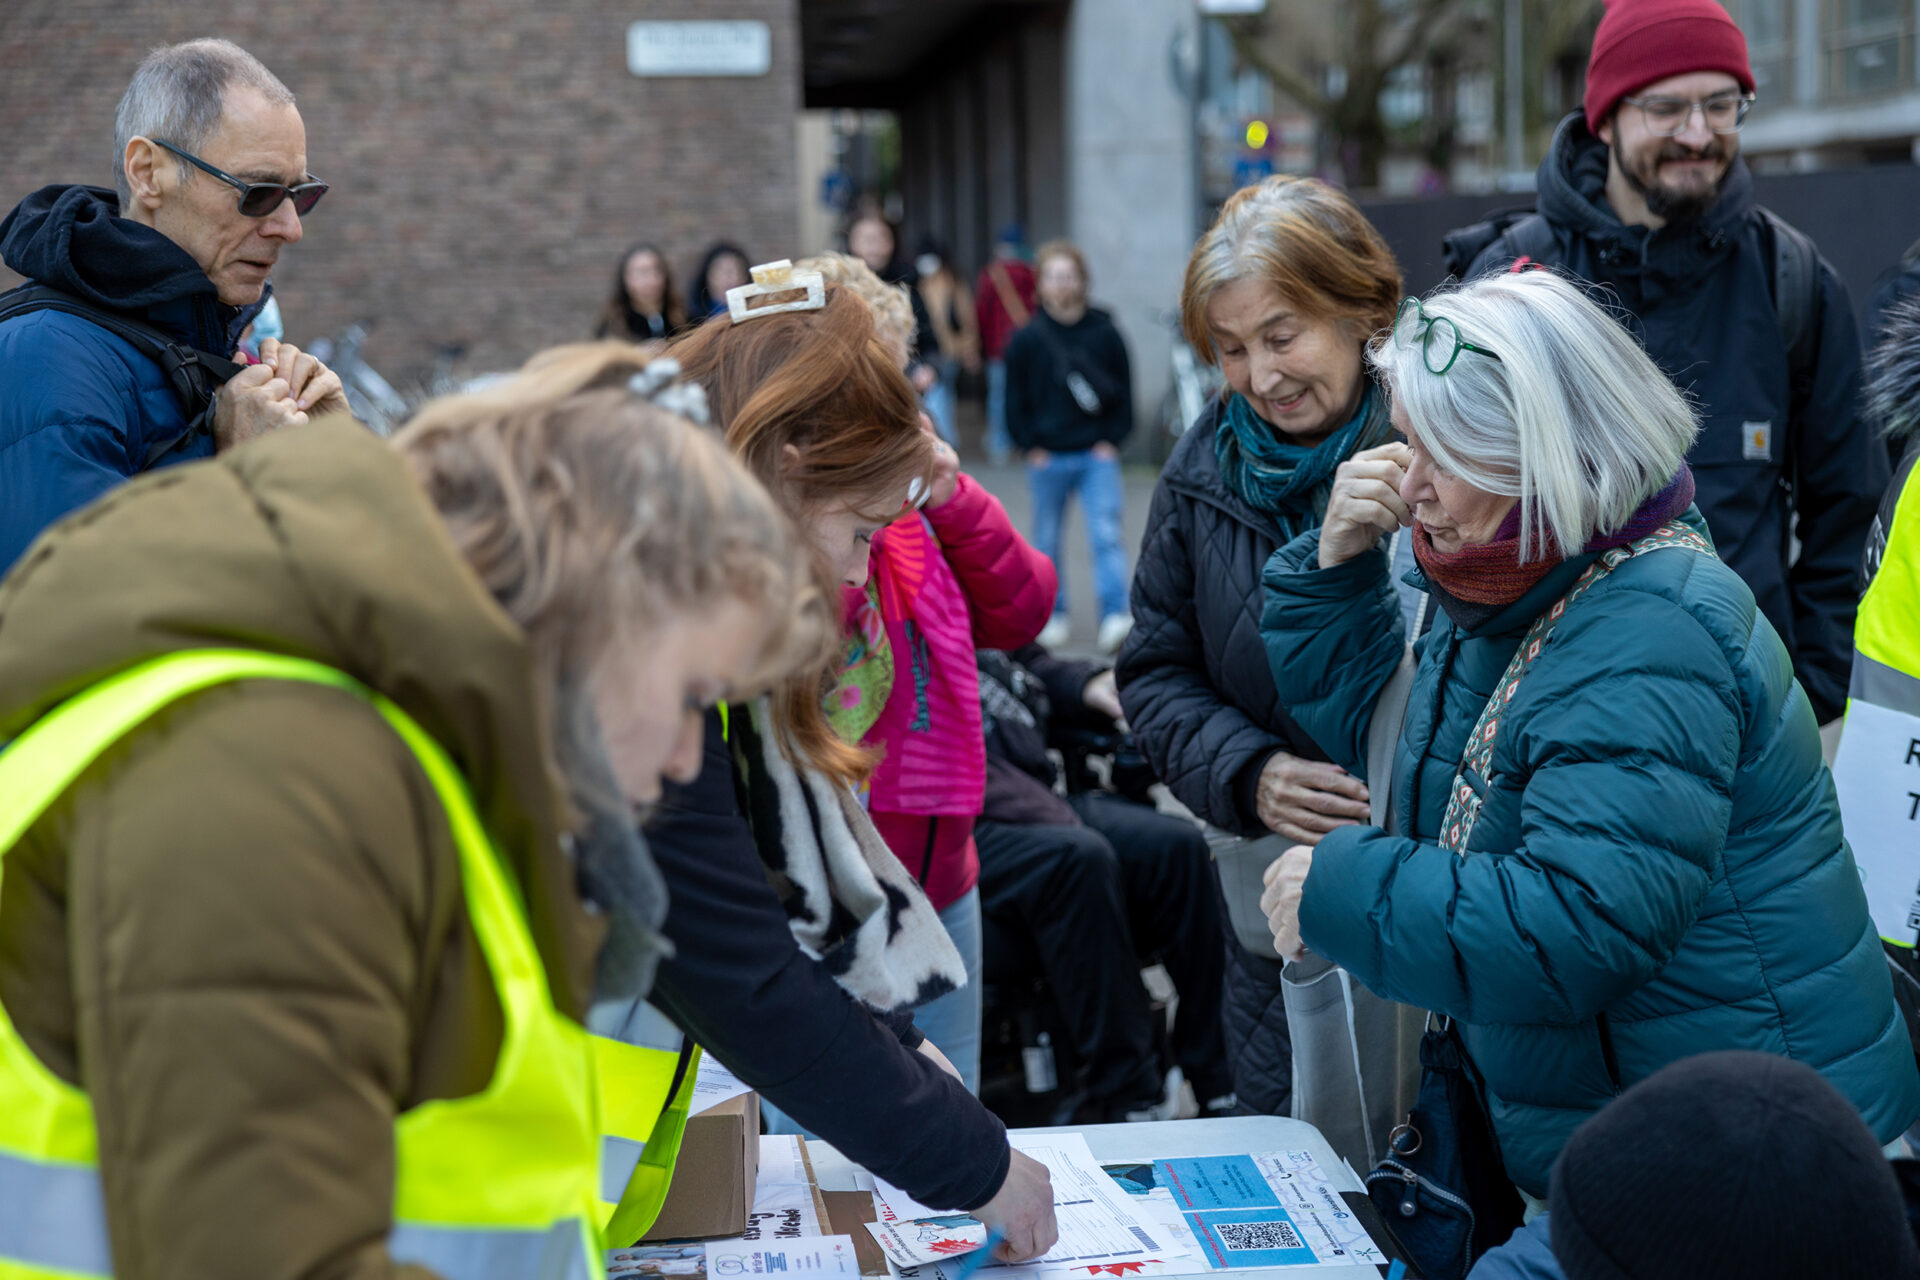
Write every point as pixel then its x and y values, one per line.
pixel 1644 192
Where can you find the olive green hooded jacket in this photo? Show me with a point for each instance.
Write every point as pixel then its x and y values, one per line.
pixel 243 931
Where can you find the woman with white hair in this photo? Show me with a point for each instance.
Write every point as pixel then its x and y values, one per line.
pixel 1620 844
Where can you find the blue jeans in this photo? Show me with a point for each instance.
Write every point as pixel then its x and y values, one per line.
pixel 938 402
pixel 953 1021
pixel 999 443
pixel 1097 480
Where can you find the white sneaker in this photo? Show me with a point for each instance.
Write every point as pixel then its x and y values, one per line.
pixel 1113 631
pixel 1055 633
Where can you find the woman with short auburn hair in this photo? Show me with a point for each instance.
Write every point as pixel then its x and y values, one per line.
pixel 1282 293
pixel 802 942
pixel 1618 844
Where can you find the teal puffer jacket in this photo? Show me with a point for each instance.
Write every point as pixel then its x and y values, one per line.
pixel 1657 869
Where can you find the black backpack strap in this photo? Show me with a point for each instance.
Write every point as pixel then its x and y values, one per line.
pixel 1527 234
pixel 1796 293
pixel 194 375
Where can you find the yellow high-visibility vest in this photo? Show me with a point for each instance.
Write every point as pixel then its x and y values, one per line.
pixel 1877 771
pixel 643 1091
pixel 646 1092
pixel 498 1186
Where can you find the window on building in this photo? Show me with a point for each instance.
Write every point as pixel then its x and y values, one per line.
pixel 1768 26
pixel 1869 47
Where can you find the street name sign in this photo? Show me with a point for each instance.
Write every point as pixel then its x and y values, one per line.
pixel 734 48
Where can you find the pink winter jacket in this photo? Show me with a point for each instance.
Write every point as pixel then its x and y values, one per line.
pixel 949 581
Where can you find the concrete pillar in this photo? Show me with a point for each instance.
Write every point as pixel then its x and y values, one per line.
pixel 968 166
pixel 819 226
pixel 1043 84
pixel 1808 51
pixel 1004 146
pixel 1129 153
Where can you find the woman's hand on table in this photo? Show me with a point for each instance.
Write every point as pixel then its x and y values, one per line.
pixel 1364 503
pixel 1022 1211
pixel 1304 799
pixel 1286 881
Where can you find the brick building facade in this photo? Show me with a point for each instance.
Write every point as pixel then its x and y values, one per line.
pixel 490 159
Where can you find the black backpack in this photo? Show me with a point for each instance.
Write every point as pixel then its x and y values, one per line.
pixel 1795 280
pixel 193 374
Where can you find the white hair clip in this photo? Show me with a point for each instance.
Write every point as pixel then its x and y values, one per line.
pixel 777 280
pixel 918 491
pixel 659 384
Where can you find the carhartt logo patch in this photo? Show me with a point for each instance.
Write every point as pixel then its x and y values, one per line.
pixel 1756 441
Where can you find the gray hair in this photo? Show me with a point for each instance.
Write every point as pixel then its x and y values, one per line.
pixel 179 93
pixel 1893 372
pixel 1574 418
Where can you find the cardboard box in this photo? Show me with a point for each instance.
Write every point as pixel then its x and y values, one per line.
pixel 713 1180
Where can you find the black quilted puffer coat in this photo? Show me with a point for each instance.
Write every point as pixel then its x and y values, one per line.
pixel 1197 691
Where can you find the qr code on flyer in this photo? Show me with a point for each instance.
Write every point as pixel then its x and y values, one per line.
pixel 1242 1237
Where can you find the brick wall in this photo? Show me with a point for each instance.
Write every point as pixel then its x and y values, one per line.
pixel 490 159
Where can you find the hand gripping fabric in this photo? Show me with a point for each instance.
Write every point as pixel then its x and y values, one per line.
pixel 497 1186
pixel 1464 799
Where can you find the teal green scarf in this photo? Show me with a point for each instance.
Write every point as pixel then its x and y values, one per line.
pixel 1287 481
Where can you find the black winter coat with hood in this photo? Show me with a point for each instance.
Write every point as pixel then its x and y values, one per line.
pixel 1773 445
pixel 1197 690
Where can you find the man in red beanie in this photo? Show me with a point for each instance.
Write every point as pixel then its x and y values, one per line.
pixel 1644 192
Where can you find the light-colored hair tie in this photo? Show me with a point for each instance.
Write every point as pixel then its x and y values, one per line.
pixel 772 278
pixel 659 385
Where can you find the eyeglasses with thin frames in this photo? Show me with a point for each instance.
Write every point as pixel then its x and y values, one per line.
pixel 258 199
pixel 1439 338
pixel 1667 117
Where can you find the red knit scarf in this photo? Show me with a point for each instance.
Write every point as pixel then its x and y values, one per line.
pixel 1488 577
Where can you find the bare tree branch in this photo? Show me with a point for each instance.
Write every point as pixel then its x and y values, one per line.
pixel 1284 78
pixel 1430 15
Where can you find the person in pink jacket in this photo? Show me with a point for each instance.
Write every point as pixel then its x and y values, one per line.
pixel 950 578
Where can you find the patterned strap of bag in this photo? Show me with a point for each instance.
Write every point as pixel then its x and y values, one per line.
pixel 1463 802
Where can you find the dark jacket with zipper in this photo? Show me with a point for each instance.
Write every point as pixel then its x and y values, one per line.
pixel 1196 689
pixel 81 409
pixel 1773 448
pixel 1041 411
pixel 1657 869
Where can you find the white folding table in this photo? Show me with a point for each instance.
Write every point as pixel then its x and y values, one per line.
pixel 1162 1140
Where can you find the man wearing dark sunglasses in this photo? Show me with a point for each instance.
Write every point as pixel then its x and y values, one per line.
pixel 1645 193
pixel 117 356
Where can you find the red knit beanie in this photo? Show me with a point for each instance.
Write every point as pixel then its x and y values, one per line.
pixel 1643 41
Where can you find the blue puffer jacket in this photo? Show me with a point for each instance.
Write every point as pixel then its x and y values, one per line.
pixel 1657 869
pixel 81 409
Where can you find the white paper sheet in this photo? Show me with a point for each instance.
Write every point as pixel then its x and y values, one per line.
pixel 823 1257
pixel 713 1085
pixel 1264 1210
pixel 783 1206
pixel 648 1260
pixel 916 1242
pixel 1098 1228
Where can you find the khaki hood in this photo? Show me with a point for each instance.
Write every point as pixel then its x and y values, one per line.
pixel 314 542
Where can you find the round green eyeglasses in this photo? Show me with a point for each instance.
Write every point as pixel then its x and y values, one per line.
pixel 1439 338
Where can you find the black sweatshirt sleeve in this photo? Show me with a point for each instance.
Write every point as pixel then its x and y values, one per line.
pixel 1119 423
pixel 740 986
